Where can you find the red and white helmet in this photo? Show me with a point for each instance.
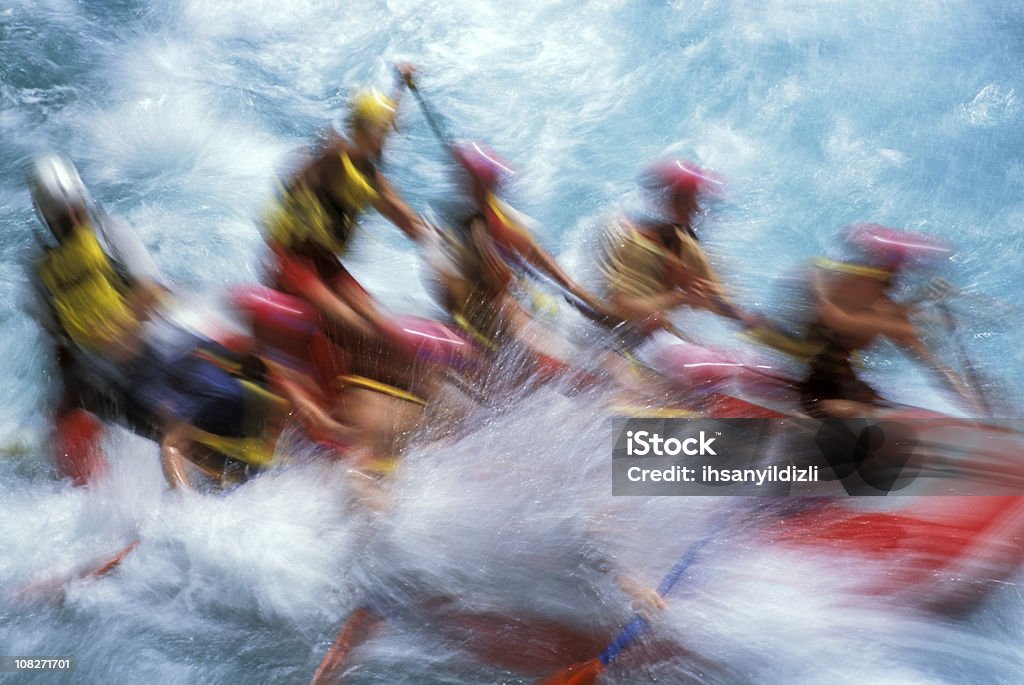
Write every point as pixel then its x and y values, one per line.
pixel 681 176
pixel 482 164
pixel 892 248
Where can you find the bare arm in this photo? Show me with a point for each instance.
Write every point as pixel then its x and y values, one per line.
pixel 144 296
pixel 536 255
pixel 404 73
pixel 389 203
pixel 696 277
pixel 918 349
pixel 496 270
pixel 650 308
pixel 892 321
pixel 868 323
pixel 309 412
pixel 883 317
pixel 394 208
pixel 646 600
pixel 520 241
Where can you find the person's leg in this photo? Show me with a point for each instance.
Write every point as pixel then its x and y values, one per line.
pixel 173 460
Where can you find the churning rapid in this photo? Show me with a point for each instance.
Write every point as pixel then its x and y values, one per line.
pixel 499 556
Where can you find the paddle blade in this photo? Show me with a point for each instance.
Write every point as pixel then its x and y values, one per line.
pixel 51 590
pixel 357 629
pixel 76 447
pixel 110 564
pixel 585 673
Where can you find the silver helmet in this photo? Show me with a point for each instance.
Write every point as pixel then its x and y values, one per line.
pixel 56 189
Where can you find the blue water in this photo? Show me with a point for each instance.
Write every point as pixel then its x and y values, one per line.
pixel 180 114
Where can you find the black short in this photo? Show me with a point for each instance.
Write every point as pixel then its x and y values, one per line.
pixel 193 390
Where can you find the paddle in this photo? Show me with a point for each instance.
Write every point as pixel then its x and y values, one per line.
pixel 444 137
pixel 572 298
pixel 53 589
pixel 110 564
pixel 439 130
pixel 938 292
pixel 354 631
pixel 587 672
pixel 965 362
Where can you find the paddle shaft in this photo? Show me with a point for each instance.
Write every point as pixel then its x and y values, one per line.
pixel 569 296
pixel 445 139
pixel 356 629
pixel 965 361
pixel 433 121
pixel 639 625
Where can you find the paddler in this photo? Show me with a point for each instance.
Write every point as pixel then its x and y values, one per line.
pixel 652 266
pixel 383 395
pixel 200 410
pixel 318 211
pixel 853 308
pixel 488 250
pixel 378 391
pixel 99 309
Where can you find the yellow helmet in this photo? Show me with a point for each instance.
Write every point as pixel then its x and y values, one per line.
pixel 371 109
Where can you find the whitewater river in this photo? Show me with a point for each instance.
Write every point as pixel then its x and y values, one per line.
pixel 180 115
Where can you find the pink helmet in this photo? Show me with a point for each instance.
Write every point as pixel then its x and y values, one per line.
pixel 892 247
pixel 678 175
pixel 482 164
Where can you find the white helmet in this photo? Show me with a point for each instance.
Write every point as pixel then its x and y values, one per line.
pixel 56 187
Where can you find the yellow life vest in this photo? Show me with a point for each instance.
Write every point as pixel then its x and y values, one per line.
pixel 300 215
pixel 637 266
pixel 379 468
pixel 631 264
pixel 354 189
pixel 85 291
